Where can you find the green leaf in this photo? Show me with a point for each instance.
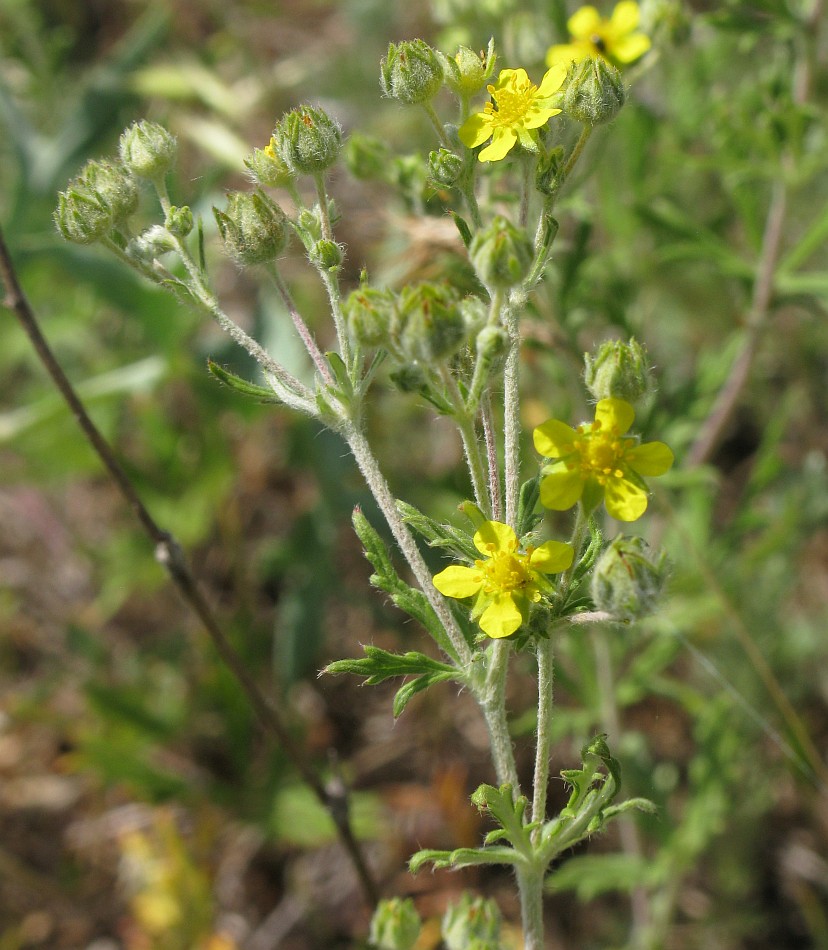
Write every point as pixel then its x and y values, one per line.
pixel 438 535
pixel 378 665
pixel 462 227
pixel 591 875
pixel 411 688
pixel 463 858
pixel 527 517
pixel 241 385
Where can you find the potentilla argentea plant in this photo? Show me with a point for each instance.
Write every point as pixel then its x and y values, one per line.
pixel 506 586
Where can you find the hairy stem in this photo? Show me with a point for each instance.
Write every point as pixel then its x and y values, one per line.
pixel 530 885
pixel 493 703
pixel 511 417
pixel 544 739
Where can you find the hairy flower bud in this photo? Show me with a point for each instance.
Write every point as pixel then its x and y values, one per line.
pixel 82 217
pixel 179 221
pixel 472 922
pixel 501 254
pixel 326 255
pixel 411 72
pixel 431 326
pixel 410 378
pixel 618 370
pixel 468 72
pixel 547 171
pixel 267 167
pixel 254 229
pixel 629 578
pixel 444 167
pixel 151 243
pixel 395 925
pixel 369 313
pixel 594 91
pixel 113 185
pixel 307 140
pixel 147 149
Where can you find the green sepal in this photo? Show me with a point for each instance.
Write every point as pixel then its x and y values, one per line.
pixel 462 227
pixel 414 602
pixel 575 600
pixel 340 371
pixel 241 385
pixel 474 514
pixel 438 535
pixel 527 517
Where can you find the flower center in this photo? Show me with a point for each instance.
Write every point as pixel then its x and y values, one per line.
pixel 513 102
pixel 601 453
pixel 599 42
pixel 505 571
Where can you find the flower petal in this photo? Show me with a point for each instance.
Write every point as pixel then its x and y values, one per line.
pixel 625 17
pixel 561 488
pixel 624 500
pixel 584 22
pixel 630 48
pixel 650 458
pixel 501 618
pixel 494 536
pixel 552 80
pixel 458 581
pixel 475 130
pixel 503 140
pixel 552 557
pixel 536 117
pixel 554 439
pixel 614 414
pixel 509 77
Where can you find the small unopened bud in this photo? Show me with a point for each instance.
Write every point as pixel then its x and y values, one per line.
pixel 594 91
pixel 308 140
pixel 254 229
pixel 147 150
pixel 115 187
pixel 629 578
pixel 82 217
pixel 179 221
pixel 151 243
pixel 491 344
pixel 618 370
pixel 472 922
pixel 411 72
pixel 369 313
pixel 395 925
pixel 444 167
pixel 468 72
pixel 366 157
pixel 501 254
pixel 547 171
pixel 431 326
pixel 326 255
pixel 267 167
pixel 410 378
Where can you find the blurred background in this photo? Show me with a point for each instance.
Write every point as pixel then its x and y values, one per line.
pixel 140 806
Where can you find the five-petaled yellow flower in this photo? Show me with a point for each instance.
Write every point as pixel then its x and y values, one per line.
pixel 518 107
pixel 615 39
pixel 507 581
pixel 598 461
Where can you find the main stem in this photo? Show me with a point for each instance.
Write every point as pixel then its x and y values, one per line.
pixel 530 885
pixel 544 738
pixel 493 704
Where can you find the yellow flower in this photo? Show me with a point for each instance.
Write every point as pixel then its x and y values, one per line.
pixel 597 461
pixel 615 39
pixel 507 580
pixel 518 107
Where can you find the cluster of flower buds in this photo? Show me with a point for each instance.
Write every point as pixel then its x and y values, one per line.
pixel 254 229
pixel 501 254
pixel 100 199
pixel 395 925
pixel 147 150
pixel 629 579
pixel 307 141
pixel 468 72
pixel 618 370
pixel 412 72
pixel 594 91
pixel 472 923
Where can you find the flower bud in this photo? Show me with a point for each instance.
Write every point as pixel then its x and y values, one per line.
pixel 369 313
pixel 444 167
pixel 501 254
pixel 366 157
pixel 410 378
pixel 491 344
pixel 147 150
pixel 150 244
pixel 113 186
pixel 254 229
pixel 267 167
pixel 594 91
pixel 82 217
pixel 395 925
pixel 628 579
pixel 472 922
pixel 547 171
pixel 431 326
pixel 411 72
pixel 326 255
pixel 307 140
pixel 618 371
pixel 468 72
pixel 179 221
